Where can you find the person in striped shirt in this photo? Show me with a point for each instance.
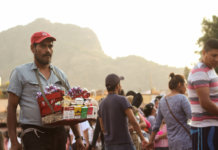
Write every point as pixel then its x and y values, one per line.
pixel 203 96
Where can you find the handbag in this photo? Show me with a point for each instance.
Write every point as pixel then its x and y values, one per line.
pixel 177 119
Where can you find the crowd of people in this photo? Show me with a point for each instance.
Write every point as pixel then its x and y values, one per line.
pixel 175 121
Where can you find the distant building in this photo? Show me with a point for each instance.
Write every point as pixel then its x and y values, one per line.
pixel 149 96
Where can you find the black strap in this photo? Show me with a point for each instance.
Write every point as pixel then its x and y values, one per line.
pixel 42 91
pixel 176 118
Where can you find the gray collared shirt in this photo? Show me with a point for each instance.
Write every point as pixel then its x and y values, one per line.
pixel 24 84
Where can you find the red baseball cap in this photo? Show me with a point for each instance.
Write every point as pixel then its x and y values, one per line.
pixel 38 37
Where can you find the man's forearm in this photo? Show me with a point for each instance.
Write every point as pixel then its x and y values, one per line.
pixel 134 123
pixel 75 129
pixel 209 106
pixel 101 125
pixel 12 124
pixel 152 137
pixel 205 100
pixel 86 136
pixel 96 133
pixel 137 129
pixel 76 132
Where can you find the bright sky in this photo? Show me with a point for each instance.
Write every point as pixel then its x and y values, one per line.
pixel 163 31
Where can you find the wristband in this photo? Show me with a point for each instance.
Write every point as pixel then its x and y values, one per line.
pixel 78 137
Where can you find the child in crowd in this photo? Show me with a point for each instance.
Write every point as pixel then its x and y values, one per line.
pixel 161 141
pixel 150 113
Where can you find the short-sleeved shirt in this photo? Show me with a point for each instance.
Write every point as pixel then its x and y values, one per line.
pixel 178 139
pixel 202 76
pixel 24 84
pixel 115 122
pixel 152 120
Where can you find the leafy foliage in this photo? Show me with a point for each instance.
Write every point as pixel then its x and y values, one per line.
pixel 210 30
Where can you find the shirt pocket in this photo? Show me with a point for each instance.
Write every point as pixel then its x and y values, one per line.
pixel 32 88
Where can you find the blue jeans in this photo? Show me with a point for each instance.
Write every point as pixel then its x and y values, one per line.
pixel 204 138
pixel 120 147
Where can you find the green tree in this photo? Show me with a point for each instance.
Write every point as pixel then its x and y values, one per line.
pixel 210 30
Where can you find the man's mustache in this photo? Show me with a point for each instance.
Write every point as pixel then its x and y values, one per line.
pixel 47 54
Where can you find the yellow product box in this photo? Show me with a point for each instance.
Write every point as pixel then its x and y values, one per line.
pixel 77 112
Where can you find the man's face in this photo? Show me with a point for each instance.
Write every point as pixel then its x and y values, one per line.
pixel 210 58
pixel 119 88
pixel 43 52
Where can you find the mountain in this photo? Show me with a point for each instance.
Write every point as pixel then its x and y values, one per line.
pixel 78 53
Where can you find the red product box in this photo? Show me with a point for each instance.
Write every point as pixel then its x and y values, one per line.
pixel 89 112
pixel 52 98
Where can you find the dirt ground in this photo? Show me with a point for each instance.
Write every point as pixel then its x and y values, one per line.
pixel 3 105
pixel 3 110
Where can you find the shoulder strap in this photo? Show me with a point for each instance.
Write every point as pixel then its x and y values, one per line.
pixel 42 91
pixel 176 118
pixel 62 81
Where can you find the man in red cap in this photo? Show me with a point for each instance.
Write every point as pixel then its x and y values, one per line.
pixel 25 81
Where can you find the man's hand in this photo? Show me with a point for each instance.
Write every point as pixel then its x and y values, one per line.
pixel 144 144
pixel 79 141
pixel 13 101
pixel 150 146
pixel 16 146
pixel 93 148
pixel 131 128
pixel 87 147
pixel 79 144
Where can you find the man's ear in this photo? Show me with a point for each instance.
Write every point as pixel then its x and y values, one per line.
pixel 203 52
pixel 118 87
pixel 32 47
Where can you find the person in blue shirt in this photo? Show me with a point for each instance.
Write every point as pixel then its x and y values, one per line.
pixel 25 82
pixel 114 113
